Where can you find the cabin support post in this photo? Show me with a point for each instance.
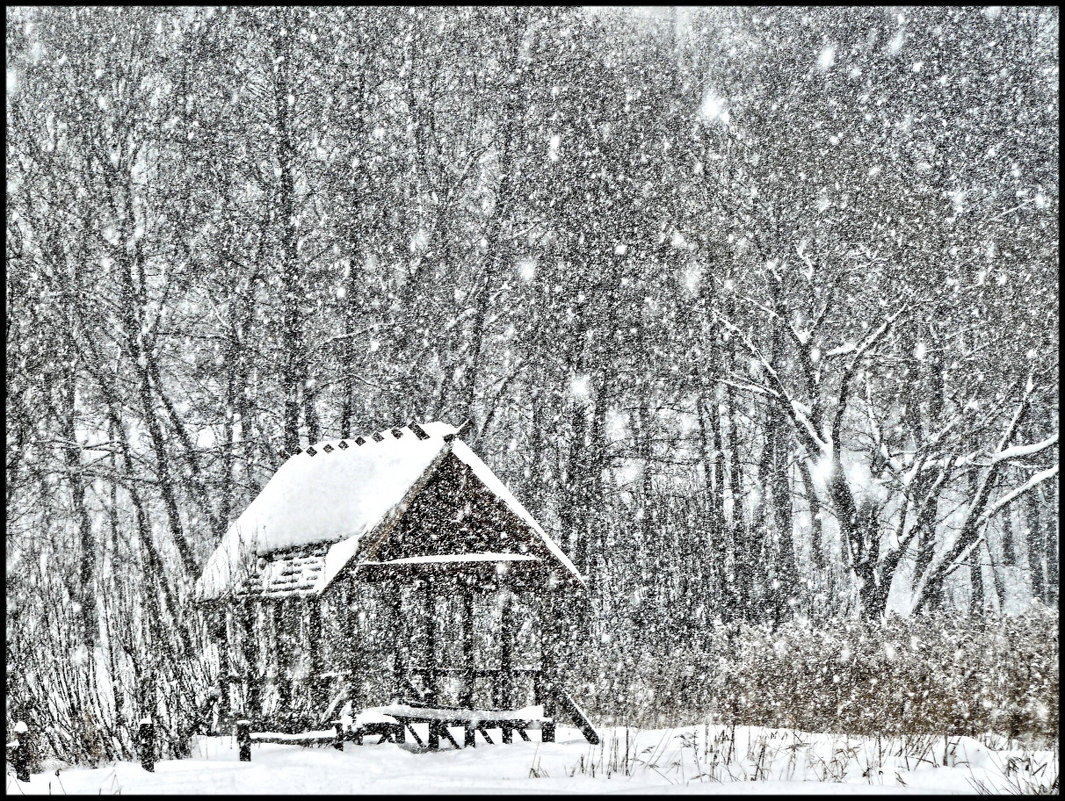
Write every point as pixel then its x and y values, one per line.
pixel 466 613
pixel 316 684
pixel 430 656
pixel 20 759
pixel 278 618
pixel 353 653
pixel 146 745
pixel 399 638
pixel 244 740
pixel 549 645
pixel 505 680
pixel 253 705
pixel 220 619
pixel 505 677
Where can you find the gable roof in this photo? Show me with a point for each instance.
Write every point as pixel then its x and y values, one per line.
pixel 336 500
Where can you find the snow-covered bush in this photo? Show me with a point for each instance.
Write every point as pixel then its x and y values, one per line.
pixel 901 676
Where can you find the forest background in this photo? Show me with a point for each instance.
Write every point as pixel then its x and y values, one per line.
pixel 756 310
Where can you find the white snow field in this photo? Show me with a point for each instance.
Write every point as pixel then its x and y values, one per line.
pixel 692 759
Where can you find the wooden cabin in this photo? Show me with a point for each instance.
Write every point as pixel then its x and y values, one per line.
pixel 393 568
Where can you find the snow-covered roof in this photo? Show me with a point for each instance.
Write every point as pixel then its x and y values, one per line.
pixel 339 494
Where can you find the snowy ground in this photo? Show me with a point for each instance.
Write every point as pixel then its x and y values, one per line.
pixel 700 759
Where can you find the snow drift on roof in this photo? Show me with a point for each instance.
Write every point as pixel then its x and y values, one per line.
pixel 336 494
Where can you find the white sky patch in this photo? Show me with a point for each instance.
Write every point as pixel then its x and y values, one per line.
pixel 678 241
pixel 616 425
pixel 957 200
pixel 895 45
pixel 419 241
pixel 713 109
pixel 580 386
pixel 920 350
pixel 993 12
pixel 862 481
pixel 621 249
pixel 205 439
pixel 626 473
pixel 821 470
pixel 826 58
pixel 692 277
pixel 526 269
pixel 552 147
pixel 12 81
pixel 875 171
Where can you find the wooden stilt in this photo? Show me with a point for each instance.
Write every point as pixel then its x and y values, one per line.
pixel 549 645
pixel 401 634
pixel 505 678
pixel 280 615
pixel 146 745
pixel 446 734
pixel 253 707
pixel 430 657
pixel 466 699
pixel 430 641
pixel 20 758
pixel 354 657
pixel 316 685
pixel 244 740
pixel 225 667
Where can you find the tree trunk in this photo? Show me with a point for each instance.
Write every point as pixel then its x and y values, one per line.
pixel 86 591
pixel 1035 542
pixel 293 368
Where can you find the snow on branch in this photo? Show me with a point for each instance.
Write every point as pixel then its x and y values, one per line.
pixel 797 411
pixel 1010 497
pixel 1019 451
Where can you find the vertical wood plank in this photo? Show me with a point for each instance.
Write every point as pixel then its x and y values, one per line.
pixel 401 638
pixel 429 613
pixel 466 700
pixel 280 615
pixel 225 664
pixel 317 685
pixel 244 740
pixel 21 756
pixel 549 644
pixel 505 679
pixel 250 643
pixel 146 745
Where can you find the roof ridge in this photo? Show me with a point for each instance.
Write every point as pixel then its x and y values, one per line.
pixel 388 434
